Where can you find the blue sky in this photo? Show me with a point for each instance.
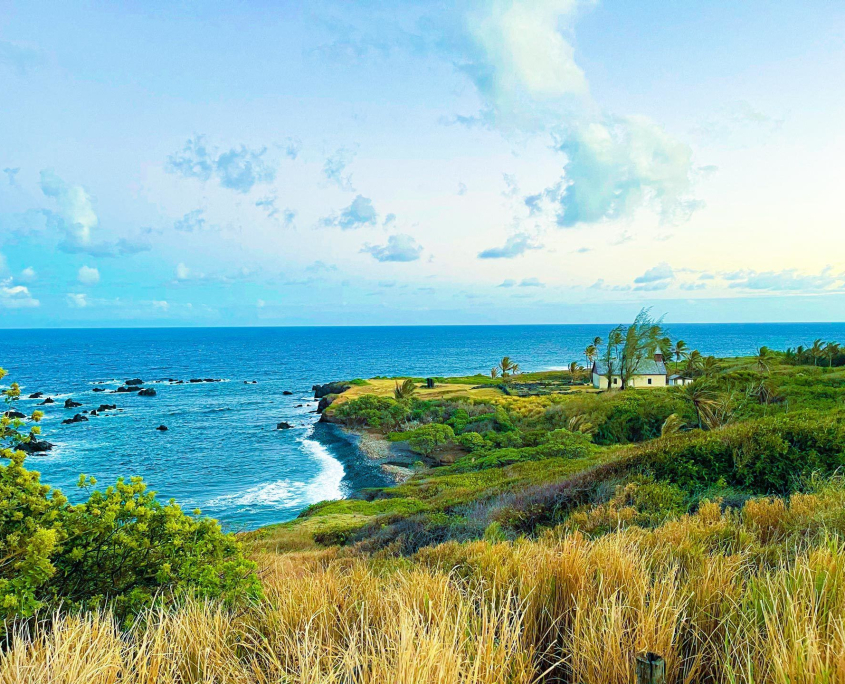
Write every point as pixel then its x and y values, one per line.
pixel 336 163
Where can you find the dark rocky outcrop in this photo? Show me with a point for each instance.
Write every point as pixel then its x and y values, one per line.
pixel 36 395
pixel 287 393
pixel 70 403
pixel 34 446
pixel 148 392
pixel 162 428
pixel 283 426
pixel 321 391
pixel 78 418
pixel 131 388
pixel 134 381
pixel 250 382
pixel 107 407
pixel 98 389
pixel 14 414
pixel 48 400
pixel 93 412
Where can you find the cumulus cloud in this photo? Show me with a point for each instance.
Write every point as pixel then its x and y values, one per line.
pixel 75 220
pixel 514 246
pixel 88 275
pixel 239 168
pixel 182 272
pixel 618 165
pixel 16 296
pixel 75 207
pixel 11 174
pixel 28 275
pixel 508 282
pixel 398 248
pixel 76 300
pixel 662 271
pixel 334 168
pixel 360 213
pixel 519 59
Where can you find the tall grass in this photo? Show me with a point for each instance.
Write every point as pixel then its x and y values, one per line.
pixel 756 595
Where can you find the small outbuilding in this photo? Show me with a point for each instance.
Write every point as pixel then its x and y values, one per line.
pixel 676 380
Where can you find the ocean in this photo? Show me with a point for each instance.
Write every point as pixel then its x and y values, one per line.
pixel 221 452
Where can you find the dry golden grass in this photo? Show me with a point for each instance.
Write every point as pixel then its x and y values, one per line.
pixel 383 387
pixel 756 596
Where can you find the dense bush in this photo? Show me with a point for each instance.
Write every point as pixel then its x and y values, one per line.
pixel 121 546
pixel 766 455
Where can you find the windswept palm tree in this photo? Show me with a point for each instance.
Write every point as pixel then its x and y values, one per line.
pixel 763 359
pixel 506 366
pixel 693 364
pixel 575 367
pixel 679 351
pixel 703 400
pixel 831 349
pixel 591 353
pixel 709 367
pixel 672 425
pixel 405 390
pixel 597 342
pixel 494 372
pixel 816 351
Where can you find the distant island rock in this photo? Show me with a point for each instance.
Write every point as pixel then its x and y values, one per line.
pixel 148 392
pixel 70 403
pixel 78 418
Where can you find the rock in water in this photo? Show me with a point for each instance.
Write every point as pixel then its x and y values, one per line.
pixel 284 426
pixel 14 414
pixel 78 418
pixel 134 381
pixel 33 446
pixel 48 400
pixel 36 395
pixel 70 403
pixel 107 407
pixel 162 428
pixel 287 393
pixel 98 389
pixel 149 392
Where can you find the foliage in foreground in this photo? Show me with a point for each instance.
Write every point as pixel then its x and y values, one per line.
pixel 741 596
pixel 121 546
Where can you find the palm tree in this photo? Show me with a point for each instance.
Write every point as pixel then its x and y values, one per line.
pixel 763 358
pixel 709 367
pixel 506 366
pixel 515 370
pixel 672 425
pixel 679 350
pixel 597 342
pixel 405 390
pixel 590 353
pixel 831 349
pixel 494 372
pixel 816 351
pixel 703 400
pixel 693 364
pixel 574 367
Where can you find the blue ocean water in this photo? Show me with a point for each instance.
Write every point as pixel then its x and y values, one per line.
pixel 221 452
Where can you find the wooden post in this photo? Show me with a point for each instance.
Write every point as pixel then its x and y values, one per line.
pixel 651 669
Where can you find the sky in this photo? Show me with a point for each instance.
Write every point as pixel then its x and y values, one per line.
pixel 175 163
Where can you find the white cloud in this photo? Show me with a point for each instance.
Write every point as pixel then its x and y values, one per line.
pixel 16 296
pixel 520 61
pixel 398 248
pixel 76 301
pixel 238 168
pixel 28 275
pixel 88 275
pixel 161 305
pixel 620 164
pixel 182 272
pixel 514 246
pixel 662 271
pixel 75 208
pixel 360 213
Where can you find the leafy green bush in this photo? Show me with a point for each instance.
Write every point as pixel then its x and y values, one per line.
pixel 767 455
pixel 121 546
pixel 426 439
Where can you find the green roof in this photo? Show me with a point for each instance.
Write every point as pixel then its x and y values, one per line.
pixel 646 367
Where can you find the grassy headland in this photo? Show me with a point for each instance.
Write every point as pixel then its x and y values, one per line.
pixel 547 535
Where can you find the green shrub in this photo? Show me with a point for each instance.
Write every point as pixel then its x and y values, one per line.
pixel 121 546
pixel 426 439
